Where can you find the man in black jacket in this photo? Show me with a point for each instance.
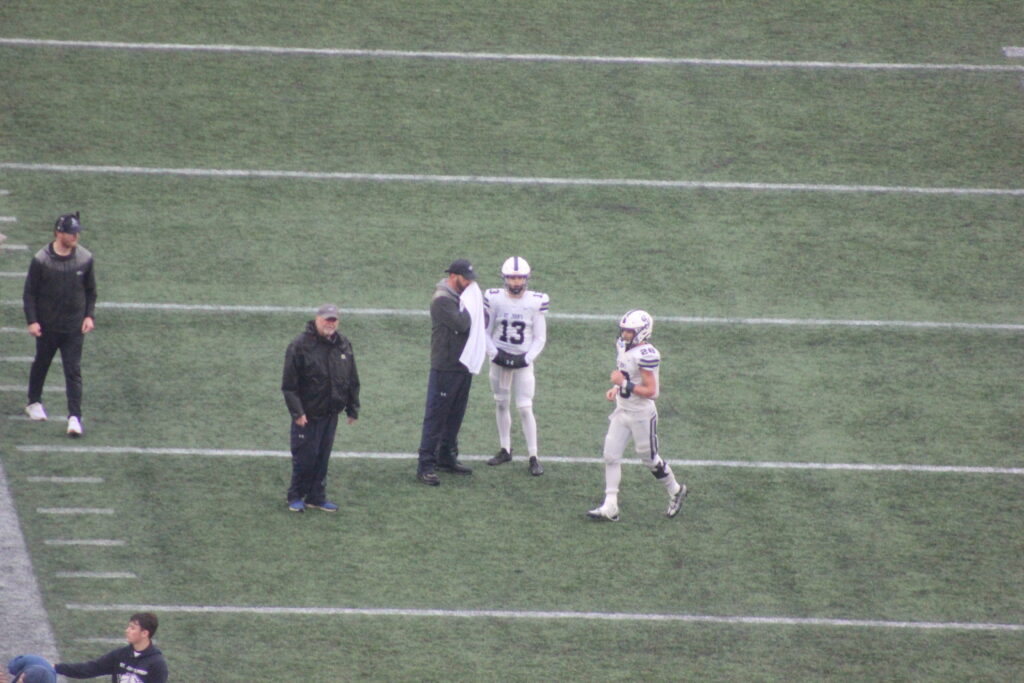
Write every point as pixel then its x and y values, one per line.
pixel 449 380
pixel 59 301
pixel 320 380
pixel 140 660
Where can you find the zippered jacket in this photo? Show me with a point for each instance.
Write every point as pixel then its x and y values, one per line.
pixel 320 378
pixel 60 291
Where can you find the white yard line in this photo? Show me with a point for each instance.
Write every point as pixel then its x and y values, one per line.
pixel 75 511
pixel 509 180
pixel 503 57
pixel 13 247
pixel 17 359
pixel 24 625
pixel 95 575
pixel 66 480
pixel 600 317
pixel 531 614
pixel 24 389
pixel 1014 52
pixel 18 273
pixel 101 542
pixel 8 219
pixel 13 330
pixel 220 453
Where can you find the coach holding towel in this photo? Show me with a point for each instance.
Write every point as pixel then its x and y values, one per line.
pixel 319 381
pixel 456 349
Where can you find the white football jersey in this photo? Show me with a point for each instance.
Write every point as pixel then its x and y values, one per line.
pixel 516 325
pixel 630 363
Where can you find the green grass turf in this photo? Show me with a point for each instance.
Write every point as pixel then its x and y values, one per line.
pixel 875 546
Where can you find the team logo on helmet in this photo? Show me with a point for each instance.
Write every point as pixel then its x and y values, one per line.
pixel 640 323
pixel 515 266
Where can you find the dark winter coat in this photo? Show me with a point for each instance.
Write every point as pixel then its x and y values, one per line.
pixel 320 377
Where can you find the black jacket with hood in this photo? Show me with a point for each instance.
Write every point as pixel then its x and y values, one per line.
pixel 320 377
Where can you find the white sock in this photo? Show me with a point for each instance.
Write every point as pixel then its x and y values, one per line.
pixel 671 485
pixel 529 428
pixel 612 477
pixel 504 417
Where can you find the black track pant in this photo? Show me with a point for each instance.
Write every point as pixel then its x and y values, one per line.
pixel 311 452
pixel 447 398
pixel 70 346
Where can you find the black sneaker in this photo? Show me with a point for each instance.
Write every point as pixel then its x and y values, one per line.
pixel 455 467
pixel 428 478
pixel 535 468
pixel 502 457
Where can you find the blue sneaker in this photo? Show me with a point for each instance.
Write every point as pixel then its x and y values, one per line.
pixel 326 506
pixel 296 506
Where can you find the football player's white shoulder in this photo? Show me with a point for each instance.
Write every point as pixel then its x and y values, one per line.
pixel 493 292
pixel 539 301
pixel 492 296
pixel 648 356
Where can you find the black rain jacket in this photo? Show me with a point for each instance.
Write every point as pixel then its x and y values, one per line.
pixel 320 377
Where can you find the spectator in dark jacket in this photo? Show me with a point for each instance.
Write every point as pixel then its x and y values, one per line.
pixel 140 660
pixel 59 302
pixel 320 380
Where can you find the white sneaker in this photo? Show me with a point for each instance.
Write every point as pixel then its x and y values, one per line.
pixel 74 427
pixel 35 411
pixel 605 514
pixel 675 503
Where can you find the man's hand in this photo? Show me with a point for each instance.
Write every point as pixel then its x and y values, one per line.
pixel 301 420
pixel 88 325
pixel 35 329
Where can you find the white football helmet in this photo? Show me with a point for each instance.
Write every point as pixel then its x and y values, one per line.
pixel 640 323
pixel 515 266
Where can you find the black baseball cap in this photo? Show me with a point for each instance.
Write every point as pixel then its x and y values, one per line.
pixel 69 223
pixel 462 267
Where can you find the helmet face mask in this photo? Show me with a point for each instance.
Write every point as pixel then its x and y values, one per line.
pixel 515 267
pixel 640 323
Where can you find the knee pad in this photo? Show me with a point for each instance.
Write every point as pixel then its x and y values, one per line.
pixel 612 459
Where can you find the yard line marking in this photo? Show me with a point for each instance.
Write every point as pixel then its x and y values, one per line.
pixel 109 641
pixel 14 247
pixel 500 57
pixel 4 193
pixel 14 387
pixel 16 359
pixel 95 575
pixel 12 274
pixel 599 317
pixel 13 330
pixel 535 614
pixel 1013 52
pixel 66 480
pixel 509 180
pixel 26 418
pixel 363 455
pixel 103 542
pixel 75 511
pixel 8 219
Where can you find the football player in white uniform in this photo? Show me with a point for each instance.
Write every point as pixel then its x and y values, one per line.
pixel 516 334
pixel 635 389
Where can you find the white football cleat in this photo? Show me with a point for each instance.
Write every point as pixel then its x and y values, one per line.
pixel 604 514
pixel 675 503
pixel 35 411
pixel 74 427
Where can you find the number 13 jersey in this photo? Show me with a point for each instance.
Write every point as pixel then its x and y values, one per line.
pixel 516 324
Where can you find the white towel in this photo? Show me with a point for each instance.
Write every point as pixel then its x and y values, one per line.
pixel 472 300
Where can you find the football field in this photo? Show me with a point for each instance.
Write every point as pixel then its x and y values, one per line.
pixel 820 204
